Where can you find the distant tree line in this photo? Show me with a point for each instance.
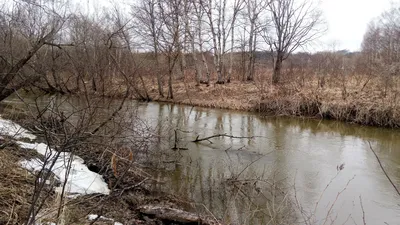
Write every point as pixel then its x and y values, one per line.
pixel 53 44
pixel 56 47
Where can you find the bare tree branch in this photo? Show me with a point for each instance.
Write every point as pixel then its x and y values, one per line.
pixel 383 169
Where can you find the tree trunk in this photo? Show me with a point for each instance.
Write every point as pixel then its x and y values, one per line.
pixel 53 71
pixel 8 91
pixel 196 64
pixel 231 54
pixel 218 66
pixel 155 46
pixel 12 73
pixel 249 73
pixel 217 54
pixel 222 45
pixel 253 59
pixel 170 91
pixel 183 65
pixel 203 57
pixel 171 65
pixel 179 69
pixel 159 80
pixel 144 88
pixel 277 68
pixel 94 87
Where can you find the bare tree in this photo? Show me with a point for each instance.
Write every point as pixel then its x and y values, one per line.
pixel 381 49
pixel 192 29
pixel 171 14
pixel 254 9
pixel 27 27
pixel 237 7
pixel 294 25
pixel 149 26
pixel 217 8
pixel 199 14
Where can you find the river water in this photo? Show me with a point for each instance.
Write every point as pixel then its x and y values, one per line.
pixel 231 178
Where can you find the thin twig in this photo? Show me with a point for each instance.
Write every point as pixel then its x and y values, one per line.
pixel 384 171
pixel 337 197
pixel 362 208
pixel 133 187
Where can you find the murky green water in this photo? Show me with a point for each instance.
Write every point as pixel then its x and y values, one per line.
pixel 297 157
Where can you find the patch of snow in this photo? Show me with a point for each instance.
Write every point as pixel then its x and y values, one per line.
pixel 92 217
pixel 9 128
pixel 41 148
pixel 79 181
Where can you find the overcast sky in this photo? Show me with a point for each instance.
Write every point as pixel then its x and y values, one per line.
pixel 347 21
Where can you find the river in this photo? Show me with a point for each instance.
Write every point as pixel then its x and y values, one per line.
pixel 232 178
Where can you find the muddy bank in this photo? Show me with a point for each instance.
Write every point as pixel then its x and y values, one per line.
pixel 129 190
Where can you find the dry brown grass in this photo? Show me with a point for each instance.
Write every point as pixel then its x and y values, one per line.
pixel 356 99
pixel 236 95
pixel 16 188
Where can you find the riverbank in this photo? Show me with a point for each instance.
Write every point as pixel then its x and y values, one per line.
pixel 361 100
pixel 202 170
pixel 93 192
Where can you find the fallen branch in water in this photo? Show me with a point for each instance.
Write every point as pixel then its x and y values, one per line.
pixel 220 135
pixel 384 171
pixel 175 215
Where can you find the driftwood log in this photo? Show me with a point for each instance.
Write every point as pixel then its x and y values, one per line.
pixel 175 215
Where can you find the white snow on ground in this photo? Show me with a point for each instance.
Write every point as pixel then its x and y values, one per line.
pixel 92 217
pixel 41 148
pixel 80 180
pixel 9 128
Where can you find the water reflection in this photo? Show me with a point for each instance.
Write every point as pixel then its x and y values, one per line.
pixel 301 152
pixel 304 153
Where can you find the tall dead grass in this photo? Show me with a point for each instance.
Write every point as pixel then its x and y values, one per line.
pixel 16 188
pixel 357 99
